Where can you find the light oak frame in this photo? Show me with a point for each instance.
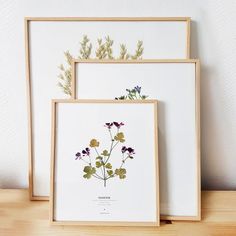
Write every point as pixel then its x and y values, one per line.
pixel 197 117
pixel 28 72
pixel 53 160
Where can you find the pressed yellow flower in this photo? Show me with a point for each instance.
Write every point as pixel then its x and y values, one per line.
pixel 94 143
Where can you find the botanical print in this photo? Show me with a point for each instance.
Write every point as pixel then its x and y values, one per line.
pixel 98 164
pixel 132 94
pixel 102 51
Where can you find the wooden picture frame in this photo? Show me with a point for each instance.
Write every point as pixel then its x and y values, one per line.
pixel 76 206
pixel 176 85
pixel 44 52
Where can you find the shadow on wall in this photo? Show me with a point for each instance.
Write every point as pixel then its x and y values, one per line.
pixel 10 181
pixel 213 174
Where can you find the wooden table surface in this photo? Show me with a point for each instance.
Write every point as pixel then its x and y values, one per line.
pixel 19 216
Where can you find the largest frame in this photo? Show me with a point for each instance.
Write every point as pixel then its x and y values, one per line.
pixel 176 84
pixel 46 40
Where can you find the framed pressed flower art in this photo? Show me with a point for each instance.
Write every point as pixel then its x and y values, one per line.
pixel 52 43
pixel 175 83
pixel 104 163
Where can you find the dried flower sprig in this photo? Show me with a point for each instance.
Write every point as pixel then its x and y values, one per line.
pixel 65 74
pixel 86 48
pixel 124 55
pixel 139 51
pixel 104 50
pixel 101 162
pixel 133 94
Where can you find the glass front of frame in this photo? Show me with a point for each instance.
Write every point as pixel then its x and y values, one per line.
pixel 51 45
pixel 175 85
pixel 106 163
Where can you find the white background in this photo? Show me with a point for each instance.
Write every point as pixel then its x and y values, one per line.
pixel 73 192
pixel 213 37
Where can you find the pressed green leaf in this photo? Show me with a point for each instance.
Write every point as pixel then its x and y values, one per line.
pixel 121 173
pixel 98 164
pixel 120 137
pixel 87 176
pixel 99 158
pixel 144 97
pixel 110 172
pixel 105 153
pixel 108 166
pixel 93 171
pixel 89 170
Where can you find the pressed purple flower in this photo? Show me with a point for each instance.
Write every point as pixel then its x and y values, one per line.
pixel 123 149
pixel 130 150
pixel 108 125
pixel 86 152
pixel 118 125
pixel 78 156
pixel 137 89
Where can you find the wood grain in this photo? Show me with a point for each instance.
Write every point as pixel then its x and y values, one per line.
pixel 21 217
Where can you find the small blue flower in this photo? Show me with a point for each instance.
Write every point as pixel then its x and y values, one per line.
pixel 137 89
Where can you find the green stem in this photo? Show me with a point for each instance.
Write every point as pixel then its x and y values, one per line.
pixel 97 176
pixel 98 155
pixel 111 149
pixel 110 134
pixel 123 161
pixel 96 151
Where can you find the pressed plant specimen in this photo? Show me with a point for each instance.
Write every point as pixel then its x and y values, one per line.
pixel 132 94
pixel 103 50
pixel 99 163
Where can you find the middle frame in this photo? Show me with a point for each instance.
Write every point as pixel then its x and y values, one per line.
pixel 176 85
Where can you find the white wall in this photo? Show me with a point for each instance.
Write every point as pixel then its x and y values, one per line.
pixel 213 39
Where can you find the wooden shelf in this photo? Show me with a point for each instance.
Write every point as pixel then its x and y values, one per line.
pixel 19 216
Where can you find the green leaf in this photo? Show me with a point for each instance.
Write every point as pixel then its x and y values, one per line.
pixel 98 164
pixel 121 173
pixel 99 158
pixel 110 172
pixel 105 153
pixel 89 170
pixel 120 137
pixel 144 97
pixel 87 176
pixel 108 166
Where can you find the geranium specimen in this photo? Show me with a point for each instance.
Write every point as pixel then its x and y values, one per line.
pixel 99 165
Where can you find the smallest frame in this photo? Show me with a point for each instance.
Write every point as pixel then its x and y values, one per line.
pixel 80 193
